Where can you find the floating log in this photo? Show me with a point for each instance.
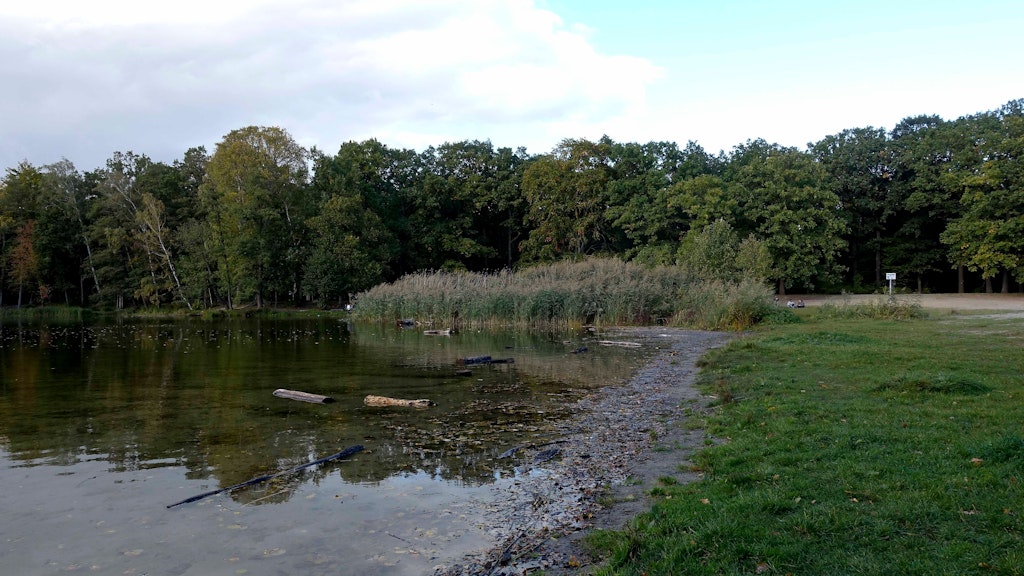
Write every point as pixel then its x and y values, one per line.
pixel 372 400
pixel 406 322
pixel 343 454
pixel 503 361
pixel 463 372
pixel 622 344
pixel 444 332
pixel 302 396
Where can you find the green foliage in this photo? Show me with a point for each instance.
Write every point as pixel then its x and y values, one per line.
pixel 255 196
pixel 987 235
pixel 716 253
pixel 567 194
pixel 787 206
pixel 249 225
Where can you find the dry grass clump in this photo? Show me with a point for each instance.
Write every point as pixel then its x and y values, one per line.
pixel 881 308
pixel 604 291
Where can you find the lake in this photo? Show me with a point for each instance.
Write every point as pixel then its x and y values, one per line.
pixel 102 427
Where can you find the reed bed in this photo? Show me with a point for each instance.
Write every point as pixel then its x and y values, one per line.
pixel 881 308
pixel 47 314
pixel 598 291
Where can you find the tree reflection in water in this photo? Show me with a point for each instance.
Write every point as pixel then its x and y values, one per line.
pixel 197 395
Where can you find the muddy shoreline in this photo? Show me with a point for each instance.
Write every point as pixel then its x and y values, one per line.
pixel 623 440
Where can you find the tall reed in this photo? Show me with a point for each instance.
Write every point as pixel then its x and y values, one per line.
pixel 880 308
pixel 602 291
pixel 47 314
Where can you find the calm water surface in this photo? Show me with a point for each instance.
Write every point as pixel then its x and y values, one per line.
pixel 101 427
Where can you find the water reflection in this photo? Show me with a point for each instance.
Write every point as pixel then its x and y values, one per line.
pixel 197 396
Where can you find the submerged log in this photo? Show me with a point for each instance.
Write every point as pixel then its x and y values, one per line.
pixel 343 454
pixel 622 344
pixel 483 360
pixel 372 400
pixel 444 332
pixel 302 396
pixel 546 455
pixel 513 451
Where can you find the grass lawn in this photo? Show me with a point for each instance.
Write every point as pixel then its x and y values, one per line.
pixel 849 447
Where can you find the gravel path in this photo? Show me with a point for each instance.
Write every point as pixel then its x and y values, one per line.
pixel 538 518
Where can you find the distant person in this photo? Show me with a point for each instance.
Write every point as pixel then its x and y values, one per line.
pixel 800 303
pixel 791 304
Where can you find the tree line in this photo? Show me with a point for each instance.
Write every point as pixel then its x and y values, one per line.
pixel 263 221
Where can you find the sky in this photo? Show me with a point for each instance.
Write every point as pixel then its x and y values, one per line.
pixel 81 80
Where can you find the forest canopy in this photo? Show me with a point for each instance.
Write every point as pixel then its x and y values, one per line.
pixel 260 220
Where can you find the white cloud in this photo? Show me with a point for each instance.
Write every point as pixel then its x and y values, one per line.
pixel 89 78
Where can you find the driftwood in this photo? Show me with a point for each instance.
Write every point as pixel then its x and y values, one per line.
pixel 372 400
pixel 302 396
pixel 343 454
pixel 463 372
pixel 444 332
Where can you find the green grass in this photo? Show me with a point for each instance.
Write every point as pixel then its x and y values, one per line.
pixel 849 447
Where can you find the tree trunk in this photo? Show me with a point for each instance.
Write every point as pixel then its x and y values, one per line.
pixel 988 285
pixel 782 287
pixel 1006 283
pixel 88 253
pixel 878 258
pixel 960 279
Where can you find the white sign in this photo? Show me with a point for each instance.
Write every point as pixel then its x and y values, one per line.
pixel 890 275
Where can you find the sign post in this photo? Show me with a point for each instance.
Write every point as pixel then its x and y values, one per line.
pixel 891 277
